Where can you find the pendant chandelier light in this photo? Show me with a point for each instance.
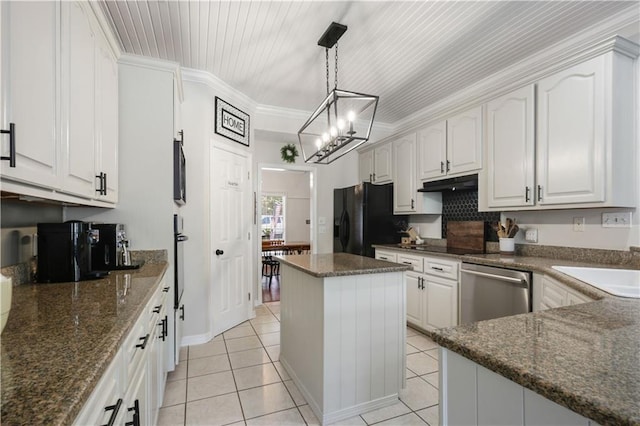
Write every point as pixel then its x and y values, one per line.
pixel 343 120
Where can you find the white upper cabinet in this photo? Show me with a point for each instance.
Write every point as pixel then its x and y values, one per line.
pixel 60 88
pixel 79 142
pixel 510 149
pixel 464 142
pixel 432 151
pixel 451 148
pixel 30 40
pixel 375 165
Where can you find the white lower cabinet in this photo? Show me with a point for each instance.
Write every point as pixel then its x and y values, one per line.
pixel 131 389
pixel 431 289
pixel 549 293
pixel 473 395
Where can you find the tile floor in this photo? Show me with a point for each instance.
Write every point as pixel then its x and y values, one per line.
pixel 236 379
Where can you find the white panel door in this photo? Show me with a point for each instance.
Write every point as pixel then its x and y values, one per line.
pixel 571 158
pixel 464 142
pixel 432 151
pixel 404 190
pixel 510 149
pixel 30 39
pixel 79 79
pixel 230 230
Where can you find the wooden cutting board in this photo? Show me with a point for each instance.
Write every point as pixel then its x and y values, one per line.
pixel 466 235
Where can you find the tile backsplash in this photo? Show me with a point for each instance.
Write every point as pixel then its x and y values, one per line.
pixel 463 205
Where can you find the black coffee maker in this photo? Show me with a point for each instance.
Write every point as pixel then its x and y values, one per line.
pixel 64 252
pixel 112 251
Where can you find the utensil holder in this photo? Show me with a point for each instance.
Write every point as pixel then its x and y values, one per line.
pixel 507 245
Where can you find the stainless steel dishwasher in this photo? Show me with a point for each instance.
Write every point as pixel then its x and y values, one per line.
pixel 488 292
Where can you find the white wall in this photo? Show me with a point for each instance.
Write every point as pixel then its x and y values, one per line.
pixel 294 185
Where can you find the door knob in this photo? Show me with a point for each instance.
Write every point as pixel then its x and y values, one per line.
pixel 219 252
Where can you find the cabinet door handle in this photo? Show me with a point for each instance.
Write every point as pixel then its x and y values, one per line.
pixel 163 324
pixel 114 414
pixel 442 167
pixel 527 190
pixel 448 165
pixel 136 414
pixel 156 309
pixel 370 177
pixel 104 184
pixel 182 312
pixel 539 192
pixel 165 289
pixel 412 203
pixel 12 145
pixel 374 178
pixel 144 339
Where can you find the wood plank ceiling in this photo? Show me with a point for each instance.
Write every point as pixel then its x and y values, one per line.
pixel 411 54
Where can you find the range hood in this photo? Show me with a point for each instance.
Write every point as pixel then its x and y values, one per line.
pixel 461 183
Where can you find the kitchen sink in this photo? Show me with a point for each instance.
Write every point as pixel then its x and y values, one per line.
pixel 619 282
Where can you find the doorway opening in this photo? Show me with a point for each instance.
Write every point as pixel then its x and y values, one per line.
pixel 286 194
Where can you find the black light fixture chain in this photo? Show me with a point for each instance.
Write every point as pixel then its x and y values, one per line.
pixel 326 51
pixel 335 84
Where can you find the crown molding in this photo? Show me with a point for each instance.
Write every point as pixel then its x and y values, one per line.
pixel 107 26
pixel 219 86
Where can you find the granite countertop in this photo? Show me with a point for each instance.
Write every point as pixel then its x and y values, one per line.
pixel 584 357
pixel 339 264
pixel 60 338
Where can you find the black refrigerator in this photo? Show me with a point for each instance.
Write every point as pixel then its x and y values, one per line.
pixel 362 216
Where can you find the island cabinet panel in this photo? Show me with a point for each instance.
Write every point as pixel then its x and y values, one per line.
pixel 342 340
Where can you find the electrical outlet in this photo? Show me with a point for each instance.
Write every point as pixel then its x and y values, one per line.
pixel 578 224
pixel 616 220
pixel 531 235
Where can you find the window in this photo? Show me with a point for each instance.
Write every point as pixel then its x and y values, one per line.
pixel 273 217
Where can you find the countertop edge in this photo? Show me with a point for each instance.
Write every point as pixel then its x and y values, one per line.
pixel 390 267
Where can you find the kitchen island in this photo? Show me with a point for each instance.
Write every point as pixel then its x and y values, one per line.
pixel 343 331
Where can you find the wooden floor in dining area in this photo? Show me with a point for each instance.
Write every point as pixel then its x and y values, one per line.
pixel 271 293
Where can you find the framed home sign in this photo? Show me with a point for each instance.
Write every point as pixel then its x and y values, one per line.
pixel 231 122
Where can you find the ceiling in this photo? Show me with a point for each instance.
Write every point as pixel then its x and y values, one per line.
pixel 411 54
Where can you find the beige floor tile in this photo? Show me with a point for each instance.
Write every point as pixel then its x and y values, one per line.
pixel 175 393
pixel 274 352
pixel 430 415
pixel 184 353
pixel 353 421
pixel 248 358
pixel 275 309
pixel 295 393
pixel 421 363
pixel 262 310
pixel 433 353
pixel 270 339
pixel 208 365
pixel 218 338
pixel 419 394
pixel 410 374
pixel 207 349
pixel 243 344
pixel 395 410
pixel 309 416
pixel 412 349
pixel 422 342
pixel 265 400
pixel 262 319
pixel 258 375
pixel 276 303
pixel 277 316
pixel 171 416
pixel 411 419
pixel 239 331
pixel 219 410
pixel 267 327
pixel 286 417
pixel 411 332
pixel 210 385
pixel 179 373
pixel 433 379
pixel 283 373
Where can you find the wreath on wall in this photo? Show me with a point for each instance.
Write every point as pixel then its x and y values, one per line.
pixel 289 153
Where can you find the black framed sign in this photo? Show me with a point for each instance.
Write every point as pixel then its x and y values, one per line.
pixel 231 122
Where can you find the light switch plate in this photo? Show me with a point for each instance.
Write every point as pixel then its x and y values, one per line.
pixel 616 220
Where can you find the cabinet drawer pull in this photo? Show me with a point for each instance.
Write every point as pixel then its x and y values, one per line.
pixel 114 414
pixel 144 339
pixel 437 268
pixel 12 145
pixel 166 289
pixel 407 263
pixel 156 310
pixel 383 258
pixel 136 414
